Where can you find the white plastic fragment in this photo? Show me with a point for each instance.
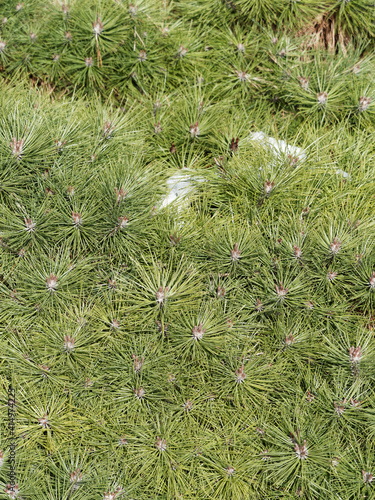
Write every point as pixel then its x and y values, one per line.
pixel 180 186
pixel 278 146
pixel 281 148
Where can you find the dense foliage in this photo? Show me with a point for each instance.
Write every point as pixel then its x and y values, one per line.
pixel 220 346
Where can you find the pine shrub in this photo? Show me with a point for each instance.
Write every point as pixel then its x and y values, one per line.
pixel 218 343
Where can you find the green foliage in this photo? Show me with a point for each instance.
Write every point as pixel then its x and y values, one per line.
pixel 220 346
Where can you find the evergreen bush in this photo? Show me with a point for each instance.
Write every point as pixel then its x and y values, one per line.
pixel 219 345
